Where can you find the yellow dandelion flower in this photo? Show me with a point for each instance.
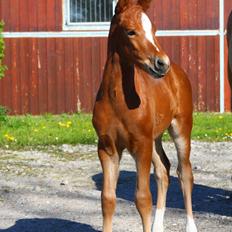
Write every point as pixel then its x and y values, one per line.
pixel 61 124
pixel 9 137
pixel 65 124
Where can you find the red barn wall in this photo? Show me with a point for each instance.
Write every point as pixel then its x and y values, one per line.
pixel 31 15
pixel 52 74
pixel 63 74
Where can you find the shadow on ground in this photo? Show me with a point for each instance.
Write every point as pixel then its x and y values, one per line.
pixel 205 198
pixel 48 225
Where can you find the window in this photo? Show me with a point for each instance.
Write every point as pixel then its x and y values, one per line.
pixel 88 14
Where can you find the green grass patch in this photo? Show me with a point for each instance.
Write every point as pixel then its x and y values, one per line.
pixel 22 131
pixel 212 127
pixel 34 131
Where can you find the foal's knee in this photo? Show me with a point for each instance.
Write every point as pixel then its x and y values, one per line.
pixel 162 175
pixel 184 172
pixel 108 202
pixel 143 199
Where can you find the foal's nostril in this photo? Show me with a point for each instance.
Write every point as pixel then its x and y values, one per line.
pixel 159 63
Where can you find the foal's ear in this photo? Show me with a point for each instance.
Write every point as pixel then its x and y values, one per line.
pixel 123 5
pixel 145 4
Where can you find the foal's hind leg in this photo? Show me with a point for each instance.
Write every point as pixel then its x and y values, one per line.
pixel 161 171
pixel 180 130
pixel 110 167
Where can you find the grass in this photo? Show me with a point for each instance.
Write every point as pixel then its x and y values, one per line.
pixel 212 127
pixel 32 131
pixel 22 131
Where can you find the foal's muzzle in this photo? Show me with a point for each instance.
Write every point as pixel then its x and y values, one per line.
pixel 159 66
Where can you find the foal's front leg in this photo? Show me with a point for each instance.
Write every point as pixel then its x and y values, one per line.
pixel 110 167
pixel 143 195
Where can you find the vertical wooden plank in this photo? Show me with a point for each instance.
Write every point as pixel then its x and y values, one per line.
pixel 15 74
pixel 6 97
pixel 1 11
pixel 76 71
pixel 184 18
pixel 193 68
pixel 82 57
pixel 184 51
pixel 175 23
pixel 95 67
pixel 23 15
pixel 217 74
pixel 24 63
pixel 70 84
pixel 51 75
pixel 33 72
pixel 42 15
pixel 201 20
pixel 60 75
pixel 210 75
pixel 33 17
pixel 161 15
pixel 51 18
pixel 202 74
pixel 103 52
pixel 175 49
pixel 86 81
pixel 58 15
pixel 87 73
pixel 43 76
pixel 81 86
pixel 211 22
pixel 192 9
pixel 151 11
pixel 156 13
pixel 14 15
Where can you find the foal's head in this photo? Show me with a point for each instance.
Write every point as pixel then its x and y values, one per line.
pixel 133 36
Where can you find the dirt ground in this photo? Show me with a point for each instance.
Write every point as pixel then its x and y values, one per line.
pixel 58 190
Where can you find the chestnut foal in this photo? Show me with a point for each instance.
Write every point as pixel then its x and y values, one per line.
pixel 141 95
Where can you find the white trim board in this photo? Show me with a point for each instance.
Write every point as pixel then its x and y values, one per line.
pixel 77 34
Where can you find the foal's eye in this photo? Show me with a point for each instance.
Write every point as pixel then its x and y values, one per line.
pixel 131 33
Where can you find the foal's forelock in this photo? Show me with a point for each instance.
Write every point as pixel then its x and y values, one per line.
pixel 147 27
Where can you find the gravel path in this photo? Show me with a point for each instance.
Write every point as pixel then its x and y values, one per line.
pixel 58 190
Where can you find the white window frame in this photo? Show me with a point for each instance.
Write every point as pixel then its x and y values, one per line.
pixel 85 26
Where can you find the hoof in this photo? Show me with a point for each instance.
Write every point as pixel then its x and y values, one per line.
pixel 191 226
pixel 157 228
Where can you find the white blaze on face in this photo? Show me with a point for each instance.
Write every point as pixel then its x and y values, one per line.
pixel 147 26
